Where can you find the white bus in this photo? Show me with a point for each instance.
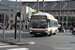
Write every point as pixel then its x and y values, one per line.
pixel 43 24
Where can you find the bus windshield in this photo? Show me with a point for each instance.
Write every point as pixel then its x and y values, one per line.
pixel 38 23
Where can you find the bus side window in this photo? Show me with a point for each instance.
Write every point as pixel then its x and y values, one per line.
pixel 49 24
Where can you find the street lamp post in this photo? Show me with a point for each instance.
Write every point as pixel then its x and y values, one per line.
pixel 43 6
pixel 68 13
pixel 15 26
pixel 4 26
pixel 37 6
pixel 59 11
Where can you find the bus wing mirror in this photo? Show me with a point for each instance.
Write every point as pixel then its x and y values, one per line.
pixel 48 20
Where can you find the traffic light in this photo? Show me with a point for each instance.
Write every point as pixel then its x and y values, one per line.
pixel 18 14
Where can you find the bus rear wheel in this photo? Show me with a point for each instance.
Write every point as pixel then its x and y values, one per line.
pixel 54 33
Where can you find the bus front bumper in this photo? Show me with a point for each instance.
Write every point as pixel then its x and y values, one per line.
pixel 39 32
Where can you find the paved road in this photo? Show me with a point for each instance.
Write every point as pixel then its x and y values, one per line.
pixel 60 41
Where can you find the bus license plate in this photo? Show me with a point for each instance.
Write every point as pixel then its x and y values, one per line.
pixel 37 33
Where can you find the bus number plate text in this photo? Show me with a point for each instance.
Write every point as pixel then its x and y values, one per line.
pixel 37 33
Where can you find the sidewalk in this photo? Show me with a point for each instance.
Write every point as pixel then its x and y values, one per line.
pixel 16 41
pixel 25 30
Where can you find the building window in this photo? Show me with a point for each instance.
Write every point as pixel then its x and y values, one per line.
pixel 11 21
pixel 56 17
pixel 11 15
pixel 65 18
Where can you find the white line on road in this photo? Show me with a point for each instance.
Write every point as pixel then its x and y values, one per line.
pixel 4 44
pixel 18 49
pixel 8 46
pixel 64 48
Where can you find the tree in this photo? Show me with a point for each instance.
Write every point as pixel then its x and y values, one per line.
pixel 72 19
pixel 35 12
pixel 30 15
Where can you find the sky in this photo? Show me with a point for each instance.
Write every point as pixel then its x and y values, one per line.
pixel 36 0
pixel 33 0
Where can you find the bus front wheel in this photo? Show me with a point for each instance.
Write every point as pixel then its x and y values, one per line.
pixel 35 34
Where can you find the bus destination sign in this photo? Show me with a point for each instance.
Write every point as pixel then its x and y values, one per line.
pixel 38 17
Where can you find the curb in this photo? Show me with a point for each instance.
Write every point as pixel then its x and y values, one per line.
pixel 16 42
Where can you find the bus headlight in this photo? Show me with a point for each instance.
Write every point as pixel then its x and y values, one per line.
pixel 46 31
pixel 30 30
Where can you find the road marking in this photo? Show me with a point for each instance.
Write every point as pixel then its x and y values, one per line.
pixel 18 49
pixel 64 48
pixel 4 44
pixel 9 46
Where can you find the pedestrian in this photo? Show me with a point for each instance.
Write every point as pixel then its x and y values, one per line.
pixel 60 29
pixel 11 27
pixel 63 29
pixel 26 26
pixel 22 27
pixel 14 26
pixel 8 26
pixel 71 28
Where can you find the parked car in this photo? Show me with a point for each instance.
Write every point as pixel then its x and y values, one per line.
pixel 73 32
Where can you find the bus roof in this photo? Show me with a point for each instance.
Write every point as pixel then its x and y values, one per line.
pixel 46 14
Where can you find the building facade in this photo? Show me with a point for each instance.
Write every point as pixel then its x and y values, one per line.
pixel 62 11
